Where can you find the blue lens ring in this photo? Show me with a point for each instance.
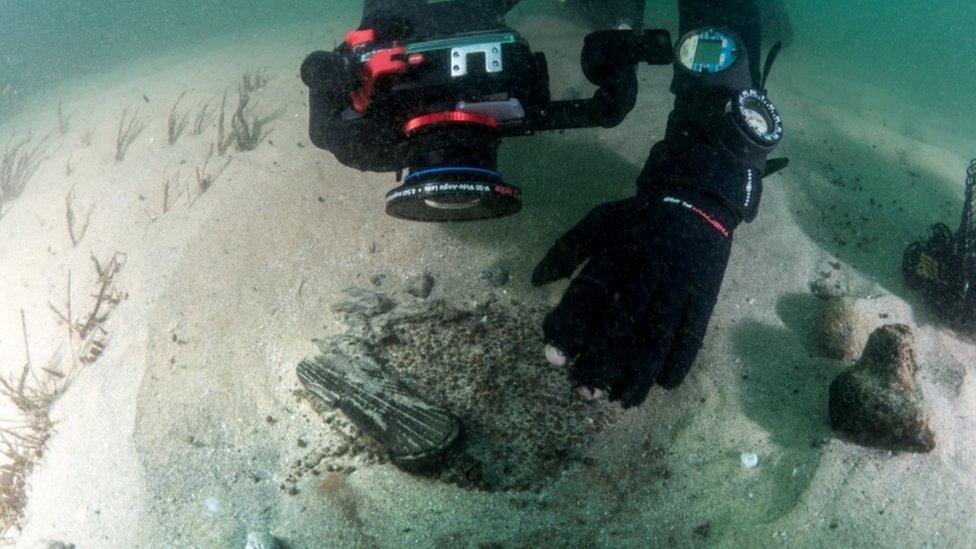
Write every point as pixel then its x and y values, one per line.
pixel 453 170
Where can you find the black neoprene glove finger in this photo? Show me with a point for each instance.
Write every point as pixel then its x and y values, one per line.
pixel 638 312
pixel 586 302
pixel 662 320
pixel 689 339
pixel 615 339
pixel 588 236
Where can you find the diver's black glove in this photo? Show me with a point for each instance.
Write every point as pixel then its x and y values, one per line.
pixel 638 312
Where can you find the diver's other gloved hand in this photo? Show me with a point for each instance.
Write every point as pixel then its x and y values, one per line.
pixel 637 313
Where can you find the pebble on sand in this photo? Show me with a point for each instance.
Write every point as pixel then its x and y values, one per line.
pixel 749 460
pixel 496 275
pixel 843 328
pixel 261 540
pixel 830 283
pixel 212 505
pixel 419 285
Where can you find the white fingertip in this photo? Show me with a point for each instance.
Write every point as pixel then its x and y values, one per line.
pixel 555 356
pixel 590 394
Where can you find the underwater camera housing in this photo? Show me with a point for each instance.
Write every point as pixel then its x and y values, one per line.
pixel 432 89
pixel 943 268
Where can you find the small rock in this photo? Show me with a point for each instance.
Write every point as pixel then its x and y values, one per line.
pixel 877 401
pixel 844 327
pixel 496 275
pixel 59 545
pixel 361 301
pixel 484 301
pixel 703 530
pixel 749 460
pixel 261 540
pixel 212 505
pixel 419 285
pixel 829 283
pixel 377 280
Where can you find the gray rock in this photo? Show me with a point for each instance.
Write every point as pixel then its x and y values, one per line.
pixel 360 301
pixel 419 285
pixel 829 284
pixel 496 275
pixel 58 545
pixel 261 540
pixel 877 401
pixel 843 328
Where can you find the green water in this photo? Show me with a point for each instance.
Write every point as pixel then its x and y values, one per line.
pixel 50 42
pixel 913 59
pixel 918 51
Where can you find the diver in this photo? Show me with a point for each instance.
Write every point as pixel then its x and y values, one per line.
pixel 428 90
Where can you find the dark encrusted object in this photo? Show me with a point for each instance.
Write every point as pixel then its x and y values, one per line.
pixel 416 434
pixel 877 401
pixel 943 268
pixel 523 425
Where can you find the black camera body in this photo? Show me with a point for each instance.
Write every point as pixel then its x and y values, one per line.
pixel 419 90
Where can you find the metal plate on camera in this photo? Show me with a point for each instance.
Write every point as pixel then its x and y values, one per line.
pixel 493 58
pixel 502 111
pixel 460 48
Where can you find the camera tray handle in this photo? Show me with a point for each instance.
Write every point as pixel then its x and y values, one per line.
pixel 608 61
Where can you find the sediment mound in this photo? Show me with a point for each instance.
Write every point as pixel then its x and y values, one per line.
pixel 522 420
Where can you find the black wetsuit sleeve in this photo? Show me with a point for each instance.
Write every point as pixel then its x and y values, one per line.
pixel 689 155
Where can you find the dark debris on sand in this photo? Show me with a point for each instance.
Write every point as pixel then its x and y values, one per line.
pixel 522 421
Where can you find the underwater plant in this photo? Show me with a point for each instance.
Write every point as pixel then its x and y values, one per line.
pixel 17 166
pixel 75 233
pixel 247 130
pixel 36 389
pixel 128 132
pixel 205 179
pixel 202 119
pixel 254 81
pixel 223 141
pixel 177 123
pixel 63 121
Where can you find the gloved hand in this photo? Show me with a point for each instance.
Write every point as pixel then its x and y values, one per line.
pixel 637 313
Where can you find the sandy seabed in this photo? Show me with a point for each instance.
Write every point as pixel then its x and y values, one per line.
pixel 182 432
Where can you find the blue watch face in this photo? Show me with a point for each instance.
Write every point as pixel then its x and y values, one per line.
pixel 707 51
